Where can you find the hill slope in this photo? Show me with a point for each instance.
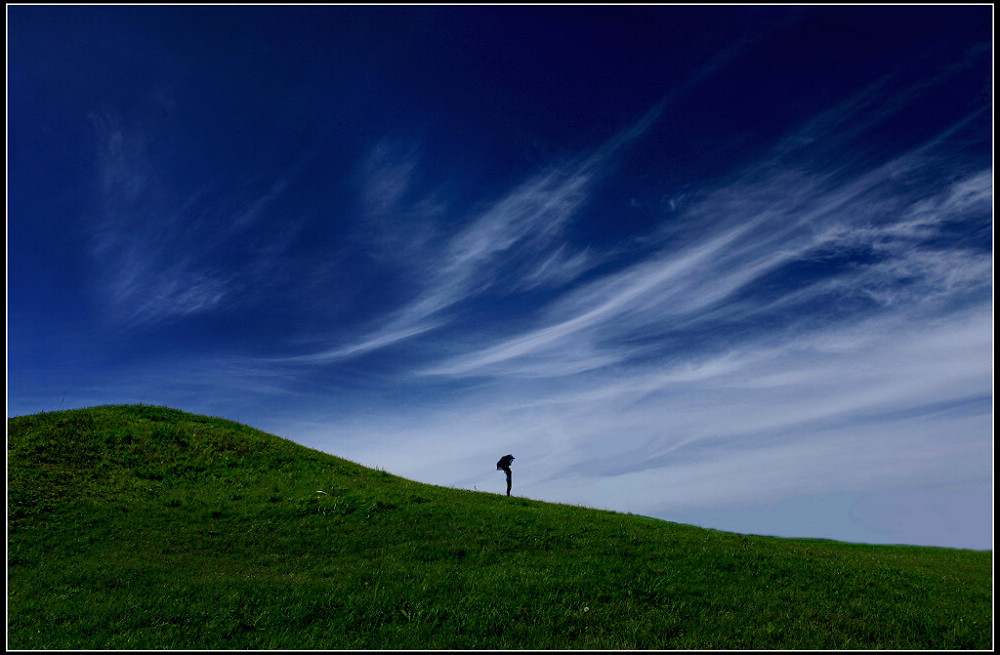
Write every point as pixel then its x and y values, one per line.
pixel 147 528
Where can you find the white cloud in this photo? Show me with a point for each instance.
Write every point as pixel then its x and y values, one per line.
pixel 530 219
pixel 556 270
pixel 159 252
pixel 758 228
pixel 386 177
pixel 864 407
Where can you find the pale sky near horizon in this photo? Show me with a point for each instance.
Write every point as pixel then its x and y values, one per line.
pixel 722 265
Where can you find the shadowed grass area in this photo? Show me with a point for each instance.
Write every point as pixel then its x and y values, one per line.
pixel 137 527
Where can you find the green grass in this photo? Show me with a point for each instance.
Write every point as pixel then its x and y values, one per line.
pixel 137 527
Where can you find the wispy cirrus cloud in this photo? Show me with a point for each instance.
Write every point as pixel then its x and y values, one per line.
pixel 599 304
pixel 158 249
pixel 529 219
pixel 147 277
pixel 735 282
pixel 834 234
pixel 867 406
pixel 767 250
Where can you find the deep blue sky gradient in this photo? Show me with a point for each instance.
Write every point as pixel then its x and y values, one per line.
pixel 725 265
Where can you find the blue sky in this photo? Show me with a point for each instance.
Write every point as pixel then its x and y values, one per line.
pixel 724 265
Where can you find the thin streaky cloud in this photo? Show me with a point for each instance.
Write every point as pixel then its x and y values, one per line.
pixel 838 377
pixel 600 303
pixel 152 244
pixel 781 219
pixel 532 215
pixel 558 269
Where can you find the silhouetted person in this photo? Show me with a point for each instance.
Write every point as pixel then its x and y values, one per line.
pixel 504 465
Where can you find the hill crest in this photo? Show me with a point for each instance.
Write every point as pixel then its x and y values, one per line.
pixel 147 527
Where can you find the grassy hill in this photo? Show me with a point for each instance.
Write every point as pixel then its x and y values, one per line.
pixel 137 527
